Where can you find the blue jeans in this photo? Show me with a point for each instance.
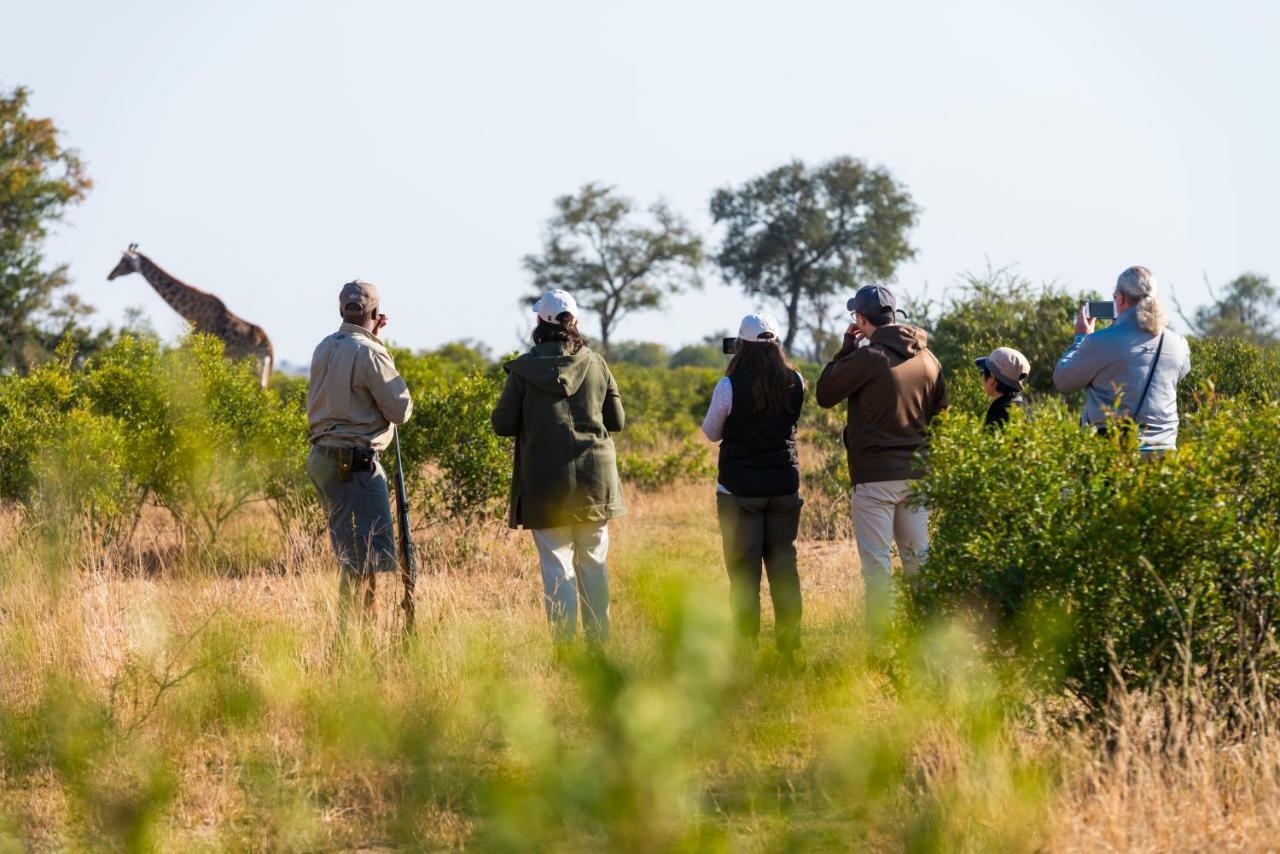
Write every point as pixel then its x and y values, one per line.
pixel 359 515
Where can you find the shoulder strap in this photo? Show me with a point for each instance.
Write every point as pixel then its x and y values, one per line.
pixel 1151 373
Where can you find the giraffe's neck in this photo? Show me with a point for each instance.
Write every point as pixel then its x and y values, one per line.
pixel 180 297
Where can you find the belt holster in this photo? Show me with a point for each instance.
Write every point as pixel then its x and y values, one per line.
pixel 345 460
pixel 352 460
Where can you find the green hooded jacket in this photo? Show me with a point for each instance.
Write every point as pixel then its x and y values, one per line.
pixel 561 406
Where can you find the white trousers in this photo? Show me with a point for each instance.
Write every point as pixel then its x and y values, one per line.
pixel 882 515
pixel 572 559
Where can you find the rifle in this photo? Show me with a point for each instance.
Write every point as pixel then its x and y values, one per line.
pixel 408 563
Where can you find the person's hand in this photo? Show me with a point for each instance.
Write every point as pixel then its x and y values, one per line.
pixel 1084 323
pixel 380 322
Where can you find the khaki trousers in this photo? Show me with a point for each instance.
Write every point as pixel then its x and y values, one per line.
pixel 572 559
pixel 882 515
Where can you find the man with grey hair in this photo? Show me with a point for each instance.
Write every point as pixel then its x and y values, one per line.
pixel 1132 368
pixel 354 398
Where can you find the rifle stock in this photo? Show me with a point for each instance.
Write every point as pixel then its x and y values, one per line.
pixel 408 562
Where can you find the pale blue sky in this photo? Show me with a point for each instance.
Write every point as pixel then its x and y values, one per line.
pixel 270 151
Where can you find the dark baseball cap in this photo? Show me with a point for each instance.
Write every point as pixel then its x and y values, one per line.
pixel 873 301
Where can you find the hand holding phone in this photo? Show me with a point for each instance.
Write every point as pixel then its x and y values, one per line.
pixel 1084 323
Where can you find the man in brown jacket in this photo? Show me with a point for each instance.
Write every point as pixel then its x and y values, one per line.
pixel 894 387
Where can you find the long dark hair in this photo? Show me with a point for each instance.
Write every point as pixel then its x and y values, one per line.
pixel 567 331
pixel 772 374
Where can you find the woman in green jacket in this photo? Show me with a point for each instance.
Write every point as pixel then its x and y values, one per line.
pixel 561 403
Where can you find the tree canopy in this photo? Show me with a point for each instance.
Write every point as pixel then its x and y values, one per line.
pixel 39 179
pixel 1247 309
pixel 798 235
pixel 612 262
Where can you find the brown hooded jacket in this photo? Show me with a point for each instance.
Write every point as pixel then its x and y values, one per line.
pixel 894 387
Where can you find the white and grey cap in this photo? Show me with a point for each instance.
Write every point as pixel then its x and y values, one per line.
pixel 554 303
pixel 759 327
pixel 1007 365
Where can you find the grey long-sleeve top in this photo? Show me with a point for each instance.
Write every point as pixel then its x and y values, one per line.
pixel 1112 365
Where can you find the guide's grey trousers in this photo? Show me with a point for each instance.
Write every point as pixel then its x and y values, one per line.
pixel 359 515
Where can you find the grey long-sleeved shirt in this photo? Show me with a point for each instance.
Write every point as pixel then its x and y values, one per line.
pixel 1112 365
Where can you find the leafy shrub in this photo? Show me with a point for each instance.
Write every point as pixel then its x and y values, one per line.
pixel 699 356
pixel 1001 309
pixel 471 467
pixel 185 427
pixel 662 404
pixel 688 460
pixel 30 408
pixel 84 476
pixel 1098 566
pixel 1230 367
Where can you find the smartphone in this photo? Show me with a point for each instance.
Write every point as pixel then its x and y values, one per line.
pixel 729 346
pixel 1101 309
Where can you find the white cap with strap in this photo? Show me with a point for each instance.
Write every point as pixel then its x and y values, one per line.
pixel 554 303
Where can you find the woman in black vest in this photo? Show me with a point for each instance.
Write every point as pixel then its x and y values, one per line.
pixel 753 415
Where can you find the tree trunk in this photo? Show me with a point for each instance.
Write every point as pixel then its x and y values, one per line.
pixel 606 325
pixel 793 315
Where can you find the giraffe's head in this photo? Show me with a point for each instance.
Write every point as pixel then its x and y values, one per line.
pixel 129 263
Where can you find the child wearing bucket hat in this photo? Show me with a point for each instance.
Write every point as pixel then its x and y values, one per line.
pixel 1004 372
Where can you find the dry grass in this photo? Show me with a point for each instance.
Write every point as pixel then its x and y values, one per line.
pixel 257 720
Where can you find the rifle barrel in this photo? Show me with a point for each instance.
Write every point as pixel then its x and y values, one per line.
pixel 408 563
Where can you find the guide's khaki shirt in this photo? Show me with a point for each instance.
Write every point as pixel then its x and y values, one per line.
pixel 355 393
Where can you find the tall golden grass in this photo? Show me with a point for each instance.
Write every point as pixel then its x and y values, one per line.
pixel 219 700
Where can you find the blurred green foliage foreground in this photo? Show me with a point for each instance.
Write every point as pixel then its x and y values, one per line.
pixel 173 672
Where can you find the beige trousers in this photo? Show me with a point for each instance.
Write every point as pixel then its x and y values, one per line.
pixel 882 515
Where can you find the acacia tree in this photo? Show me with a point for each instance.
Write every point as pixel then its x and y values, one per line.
pixel 39 180
pixel 612 263
pixel 798 235
pixel 1247 309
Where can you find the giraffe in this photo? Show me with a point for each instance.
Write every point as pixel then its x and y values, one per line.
pixel 204 311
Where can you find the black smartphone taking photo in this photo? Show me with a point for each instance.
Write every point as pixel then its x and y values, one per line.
pixel 729 346
pixel 1101 309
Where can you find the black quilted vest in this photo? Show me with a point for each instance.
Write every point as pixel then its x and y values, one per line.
pixel 758 452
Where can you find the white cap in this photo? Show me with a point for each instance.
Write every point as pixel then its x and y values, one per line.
pixel 554 303
pixel 759 327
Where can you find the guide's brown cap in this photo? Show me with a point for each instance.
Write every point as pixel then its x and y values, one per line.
pixel 360 292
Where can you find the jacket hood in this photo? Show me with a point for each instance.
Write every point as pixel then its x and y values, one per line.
pixel 552 368
pixel 904 340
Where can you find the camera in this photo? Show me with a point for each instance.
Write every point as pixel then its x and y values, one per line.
pixel 729 346
pixel 1101 309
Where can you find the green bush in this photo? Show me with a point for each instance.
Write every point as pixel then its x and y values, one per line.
pixel 184 426
pixel 1001 309
pixel 654 469
pixel 1098 566
pixel 30 409
pixel 1230 367
pixel 84 476
pixel 469 473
